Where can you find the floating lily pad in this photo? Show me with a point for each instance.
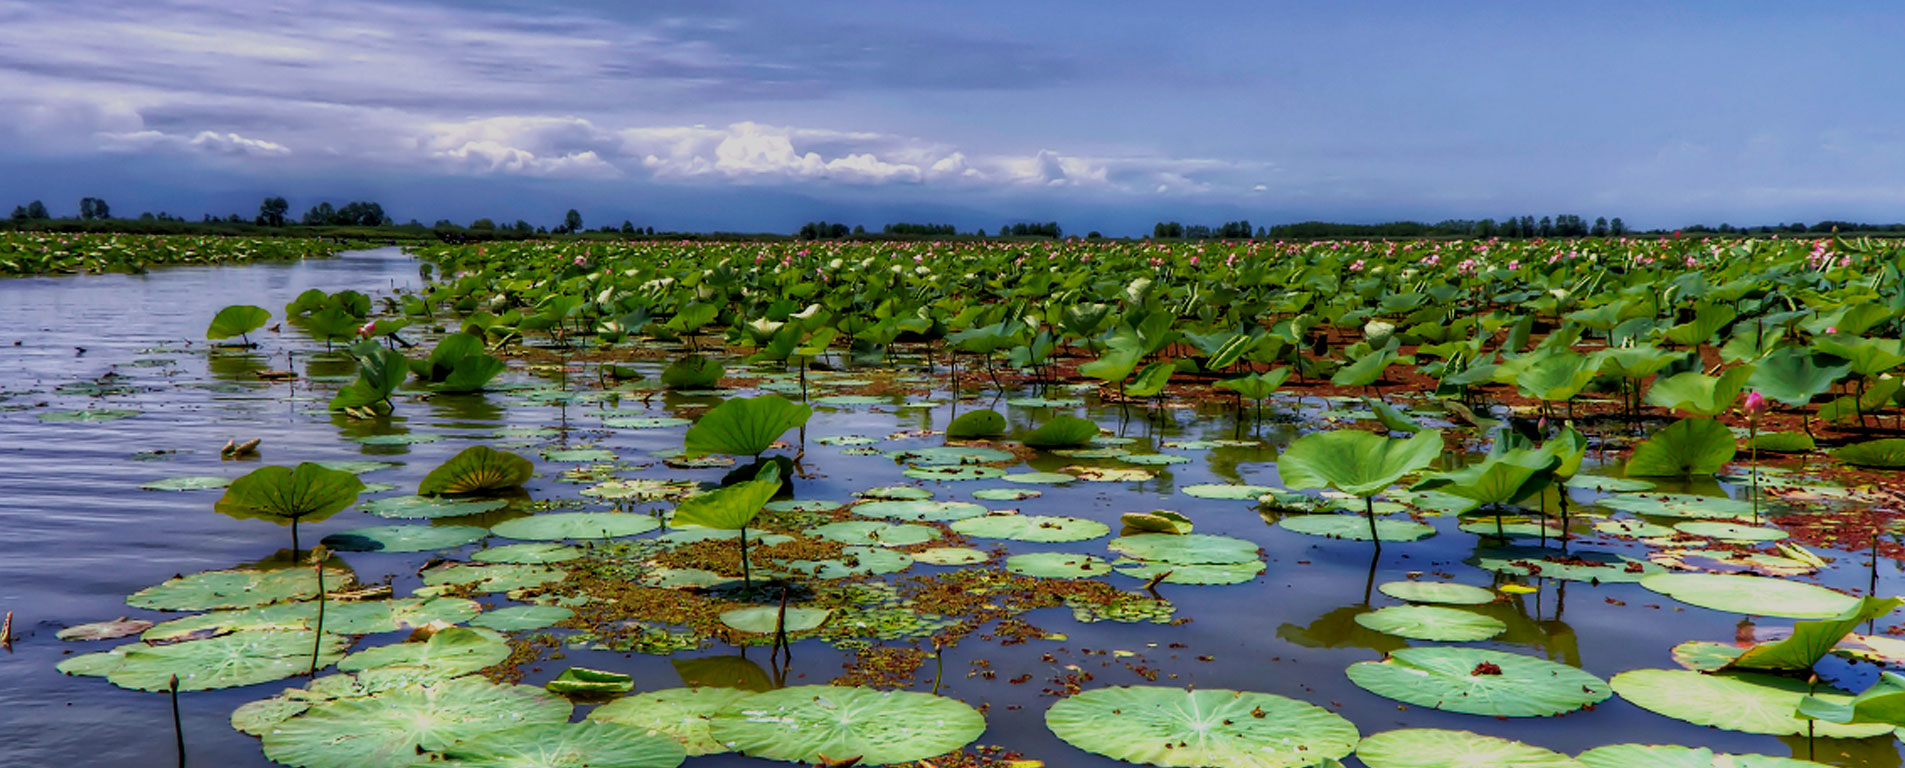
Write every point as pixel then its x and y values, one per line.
pixel 407 438
pixel 449 653
pixel 493 578
pixel 1424 622
pixel 1478 681
pixel 1636 529
pixel 430 507
pixel 391 727
pixel 576 525
pixel 897 493
pixel 343 618
pixel 1356 527
pixel 1057 565
pixel 873 532
pixel 104 630
pixel 1006 494
pixel 645 422
pixel 579 455
pixel 1680 505
pixel 518 618
pixel 1191 573
pixel 679 713
pixel 643 489
pixel 953 473
pixel 531 552
pixel 235 589
pixel 1209 727
pixel 761 619
pixel 1437 592
pixel 1039 528
pixel 87 416
pixel 1748 702
pixel 1039 478
pixel 1155 459
pixel 1435 748
pixel 188 483
pixel 568 745
pixel 356 467
pixel 852 400
pixel 951 556
pixel 950 455
pixel 1730 532
pixel 806 505
pixel 853 561
pixel 1091 453
pixel 1751 595
pixel 919 511
pixel 1575 565
pixel 1109 474
pixel 846 440
pixel 1185 549
pixel 1675 756
pixel 226 661
pixel 802 723
pixel 1227 491
pixel 1606 484
pixel 404 538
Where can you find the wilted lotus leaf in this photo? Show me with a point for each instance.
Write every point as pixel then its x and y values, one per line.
pixel 105 630
pixel 590 682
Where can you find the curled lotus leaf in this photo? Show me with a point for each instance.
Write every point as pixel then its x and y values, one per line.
pixel 1748 702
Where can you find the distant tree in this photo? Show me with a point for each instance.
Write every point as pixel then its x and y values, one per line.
pixel 271 212
pixel 445 224
pixel 1616 228
pixel 1094 235
pixel 1600 227
pixel 651 231
pixel 484 225
pixel 981 233
pixel 571 222
pixel 628 227
pixel 1262 233
pixel 542 230
pixel 19 213
pixel 94 209
pixel 320 215
pixel 859 229
pixel 1545 228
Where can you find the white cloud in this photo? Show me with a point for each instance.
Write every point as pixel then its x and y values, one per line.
pixel 205 142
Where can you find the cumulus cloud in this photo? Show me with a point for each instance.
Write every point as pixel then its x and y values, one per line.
pixel 205 142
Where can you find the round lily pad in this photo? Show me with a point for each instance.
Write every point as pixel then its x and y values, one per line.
pixel 1751 595
pixel 404 538
pixel 1006 494
pixel 576 525
pixel 430 507
pixel 528 552
pixel 761 619
pixel 1679 505
pixel 1478 681
pixel 1748 702
pixel 1229 491
pixel 1426 622
pixel 951 556
pixel 1435 748
pixel 851 400
pixel 519 618
pixel 240 588
pixel 357 467
pixel 874 532
pixel 1155 459
pixel 1575 565
pixel 853 561
pixel 226 661
pixel 1675 756
pixel 493 578
pixel 1109 474
pixel 644 489
pixel 919 511
pixel 1191 573
pixel 389 728
pixel 1057 565
pixel 953 473
pixel 679 713
pixel 896 493
pixel 848 440
pixel 806 505
pixel 1039 478
pixel 1637 529
pixel 579 455
pixel 590 744
pixel 1212 728
pixel 449 653
pixel 408 438
pixel 950 455
pixel 645 422
pixel 1039 528
pixel 1730 531
pixel 352 618
pixel 1437 592
pixel 1606 484
pixel 1355 527
pixel 1185 549
pixel 802 723
pixel 188 483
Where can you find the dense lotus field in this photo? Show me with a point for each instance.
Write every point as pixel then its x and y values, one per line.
pixel 1714 424
pixel 41 253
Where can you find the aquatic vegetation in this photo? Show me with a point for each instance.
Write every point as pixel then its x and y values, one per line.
pixel 41 253
pixel 286 496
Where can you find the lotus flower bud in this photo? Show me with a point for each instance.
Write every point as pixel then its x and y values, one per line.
pixel 1754 405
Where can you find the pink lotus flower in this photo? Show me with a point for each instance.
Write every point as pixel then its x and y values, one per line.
pixel 1754 406
pixel 367 329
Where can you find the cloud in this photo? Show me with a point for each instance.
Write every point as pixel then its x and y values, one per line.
pixel 205 142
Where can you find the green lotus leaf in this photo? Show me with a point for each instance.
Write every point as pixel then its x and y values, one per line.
pixel 1226 491
pixel 1685 448
pixel 1038 528
pixel 1190 573
pixel 1574 565
pixel 1006 494
pixel 568 745
pixel 1881 704
pixel 1675 756
pixel 802 723
pixel 104 630
pixel 1435 748
pixel 404 538
pixel 951 556
pixel 1391 417
pixel 477 469
pixel 1057 565
pixel 87 415
pixel 1729 531
pixel 1751 595
pixel 579 455
pixel 352 618
pixel 285 495
pixel 951 474
pixel 1355 462
pixel 1366 370
pixel 590 682
pixel 492 578
pixel 899 493
pixel 1679 505
pixel 1782 442
pixel 1213 728
pixel 679 713
pixel 1878 454
pixel 1063 432
pixel 1256 386
pixel 1868 357
pixel 379 375
pixel 1356 527
pixel 534 552
pixel 1423 622
pixel 692 372
pixel 471 374
pixel 1039 478
pixel 1507 475
pixel 1734 701
pixel 1478 681
pixel 191 483
pixel 745 426
pixel 400 438
pixel 1812 640
pixel 449 653
pixel 853 561
pixel 645 422
pixel 976 424
pixel 226 661
pixel 1156 521
pixel 391 728
pixel 240 588
pixel 1436 592
pixel 919 511
pixel 519 618
pixel 762 619
pixel 1793 376
pixel 733 507
pixel 873 532
pixel 237 320
pixel 1699 394
pixel 577 525
pixel 429 508
pixel 1186 549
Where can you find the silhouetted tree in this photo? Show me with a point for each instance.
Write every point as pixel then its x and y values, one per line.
pixel 271 212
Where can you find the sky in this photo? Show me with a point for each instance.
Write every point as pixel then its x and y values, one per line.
pixel 711 115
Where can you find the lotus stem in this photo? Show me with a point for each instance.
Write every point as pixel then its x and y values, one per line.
pixel 1369 511
pixel 178 725
pixel 318 556
pixel 746 578
pixel 939 664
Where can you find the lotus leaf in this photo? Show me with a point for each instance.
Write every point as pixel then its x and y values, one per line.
pixel 519 618
pixel 535 552
pixel 389 729
pixel 1477 681
pixel 762 619
pixel 875 532
pixel 1353 527
pixel 1186 549
pixel 1212 728
pixel 1190 573
pixel 1686 447
pixel 430 508
pixel 568 745
pixel 578 525
pixel 853 561
pixel 1437 592
pixel 919 511
pixel 477 469
pixel 1679 505
pixel 1225 491
pixel 679 713
pixel 1435 748
pixel 1674 756
pixel 492 578
pixel 104 630
pixel 237 320
pixel 1699 394
pixel 1730 531
pixel 1742 701
pixel 692 372
pixel 1879 454
pixel 1794 376
pixel 745 426
pixel 1422 622
pixel 236 589
pixel 286 496
pixel 1057 565
pixel 448 653
pixel 1038 528
pixel 1063 432
pixel 951 556
pixel 192 483
pixel 802 723
pixel 1575 565
pixel 976 424
pixel 343 618
pixel 589 682
pixel 1039 478
pixel 404 538
pixel 1751 595
pixel 1355 462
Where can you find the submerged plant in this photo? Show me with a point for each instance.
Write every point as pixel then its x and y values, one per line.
pixel 287 496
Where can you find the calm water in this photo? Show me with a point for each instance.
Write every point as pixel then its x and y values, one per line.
pixel 77 535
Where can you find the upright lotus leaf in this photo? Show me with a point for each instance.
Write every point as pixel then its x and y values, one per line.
pixel 471 374
pixel 803 723
pixel 692 372
pixel 1868 357
pixel 1392 418
pixel 1256 386
pixel 392 728
pixel 1355 462
pixel 1435 748
pixel 477 469
pixel 1812 640
pixel 1063 432
pixel 379 374
pixel 1707 320
pixel 1557 376
pixel 1881 704
pixel 1478 681
pixel 1368 369
pixel 286 496
pixel 745 426
pixel 1506 476
pixel 1114 366
pixel 1699 394
pixel 590 744
pixel 237 320
pixel 976 424
pixel 1749 702
pixel 1888 453
pixel 732 508
pixel 1794 376
pixel 1689 447
pixel 1151 380
pixel 1154 725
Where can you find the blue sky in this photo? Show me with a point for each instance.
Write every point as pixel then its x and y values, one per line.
pixel 715 115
